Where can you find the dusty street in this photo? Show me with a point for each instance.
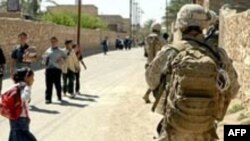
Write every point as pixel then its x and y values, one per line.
pixel 109 109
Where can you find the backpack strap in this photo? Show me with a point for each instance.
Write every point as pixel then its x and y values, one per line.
pixel 215 54
pixel 159 91
pixel 21 86
pixel 211 32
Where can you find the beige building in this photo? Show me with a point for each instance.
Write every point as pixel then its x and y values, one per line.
pixel 126 25
pixel 86 9
pixel 116 23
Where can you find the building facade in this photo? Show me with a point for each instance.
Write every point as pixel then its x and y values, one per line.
pixel 116 23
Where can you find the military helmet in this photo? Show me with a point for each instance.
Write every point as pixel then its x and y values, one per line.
pixel 156 27
pixel 193 15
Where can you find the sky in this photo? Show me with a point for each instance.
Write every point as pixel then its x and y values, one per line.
pixel 153 9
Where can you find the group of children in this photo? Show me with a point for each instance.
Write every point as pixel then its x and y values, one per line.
pixel 60 63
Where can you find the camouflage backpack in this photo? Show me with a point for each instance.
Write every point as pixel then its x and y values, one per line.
pixel 197 83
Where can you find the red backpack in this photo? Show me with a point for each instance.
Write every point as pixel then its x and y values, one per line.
pixel 11 103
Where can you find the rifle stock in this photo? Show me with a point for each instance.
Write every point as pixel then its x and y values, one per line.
pixel 158 92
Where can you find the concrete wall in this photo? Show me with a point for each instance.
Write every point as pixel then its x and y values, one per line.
pixel 235 38
pixel 40 33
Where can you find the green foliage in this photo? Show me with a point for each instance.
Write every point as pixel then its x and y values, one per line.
pixel 172 10
pixel 236 108
pixel 3 4
pixel 146 28
pixel 60 18
pixel 70 19
pixel 148 24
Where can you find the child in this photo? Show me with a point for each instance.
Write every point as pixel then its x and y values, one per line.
pixel 77 74
pixel 20 127
pixel 53 59
pixel 71 67
pixel 23 55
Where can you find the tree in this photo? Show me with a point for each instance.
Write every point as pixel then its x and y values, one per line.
pixel 172 10
pixel 146 29
pixel 31 7
pixel 148 24
pixel 3 4
pixel 52 2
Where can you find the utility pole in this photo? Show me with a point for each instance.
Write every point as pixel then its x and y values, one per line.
pixel 140 14
pixel 135 19
pixel 167 20
pixel 79 22
pixel 130 16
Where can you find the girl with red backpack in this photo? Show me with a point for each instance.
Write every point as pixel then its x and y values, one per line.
pixel 23 78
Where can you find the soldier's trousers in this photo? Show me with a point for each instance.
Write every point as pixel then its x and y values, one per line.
pixel 171 135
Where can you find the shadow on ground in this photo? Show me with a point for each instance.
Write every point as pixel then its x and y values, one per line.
pixel 89 96
pixel 66 103
pixel 85 99
pixel 45 111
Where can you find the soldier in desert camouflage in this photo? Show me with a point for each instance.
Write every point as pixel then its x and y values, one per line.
pixel 199 81
pixel 154 43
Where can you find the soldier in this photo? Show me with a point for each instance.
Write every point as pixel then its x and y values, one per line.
pixel 212 35
pixel 199 81
pixel 154 43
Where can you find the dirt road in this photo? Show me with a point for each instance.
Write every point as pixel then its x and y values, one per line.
pixel 110 108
